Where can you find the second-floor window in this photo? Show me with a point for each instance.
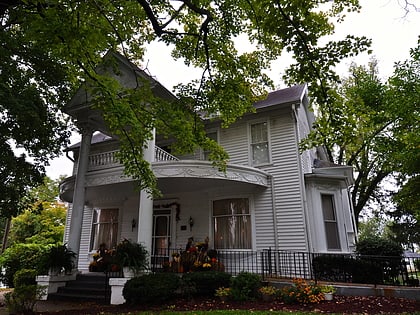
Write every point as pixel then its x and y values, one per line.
pixel 260 152
pixel 212 135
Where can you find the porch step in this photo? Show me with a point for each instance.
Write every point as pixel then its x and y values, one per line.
pixel 87 287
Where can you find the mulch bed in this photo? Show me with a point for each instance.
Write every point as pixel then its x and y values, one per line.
pixel 340 304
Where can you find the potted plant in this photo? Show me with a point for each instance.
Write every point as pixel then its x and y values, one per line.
pixel 58 259
pixel 328 291
pixel 223 293
pixel 132 257
pixel 268 292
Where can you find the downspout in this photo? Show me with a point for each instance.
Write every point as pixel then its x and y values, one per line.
pixel 273 204
pixel 276 234
pixel 302 186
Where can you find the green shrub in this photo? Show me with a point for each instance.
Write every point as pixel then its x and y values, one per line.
pixel 206 283
pixel 328 267
pixel 302 292
pixel 58 258
pixel 132 255
pixel 417 264
pixel 367 271
pixel 24 277
pixel 245 286
pixel 390 263
pixel 378 246
pixel 23 298
pixel 21 256
pixel 151 288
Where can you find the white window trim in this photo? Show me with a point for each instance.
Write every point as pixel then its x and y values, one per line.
pixel 339 218
pixel 92 230
pixel 253 122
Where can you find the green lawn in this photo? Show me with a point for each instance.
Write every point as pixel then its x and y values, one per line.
pixel 230 312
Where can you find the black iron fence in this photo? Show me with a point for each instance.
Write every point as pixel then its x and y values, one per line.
pixel 271 264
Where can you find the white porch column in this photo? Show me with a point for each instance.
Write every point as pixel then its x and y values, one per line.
pixel 79 191
pixel 145 220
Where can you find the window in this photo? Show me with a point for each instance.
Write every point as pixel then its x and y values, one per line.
pixel 105 228
pixel 232 224
pixel 212 135
pixel 259 144
pixel 330 222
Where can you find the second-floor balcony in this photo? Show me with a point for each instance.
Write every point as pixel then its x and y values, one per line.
pixel 109 159
pixel 172 173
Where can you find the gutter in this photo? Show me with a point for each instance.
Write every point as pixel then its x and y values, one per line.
pixel 69 157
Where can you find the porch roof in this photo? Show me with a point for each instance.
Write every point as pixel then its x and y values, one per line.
pixel 175 176
pixel 202 174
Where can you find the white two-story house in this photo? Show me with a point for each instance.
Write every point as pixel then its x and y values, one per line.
pixel 271 196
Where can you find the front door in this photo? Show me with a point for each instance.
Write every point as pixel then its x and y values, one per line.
pixel 161 237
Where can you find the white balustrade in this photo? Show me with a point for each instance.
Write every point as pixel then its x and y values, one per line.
pixel 103 160
pixel 108 159
pixel 161 155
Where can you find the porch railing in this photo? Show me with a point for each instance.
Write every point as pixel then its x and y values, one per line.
pixel 271 264
pixel 161 155
pixel 109 159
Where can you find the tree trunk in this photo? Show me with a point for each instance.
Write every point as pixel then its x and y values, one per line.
pixel 5 234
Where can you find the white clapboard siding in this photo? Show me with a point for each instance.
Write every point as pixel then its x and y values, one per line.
pixel 85 237
pixel 67 227
pixel 303 129
pixel 264 220
pixel 287 181
pixel 235 141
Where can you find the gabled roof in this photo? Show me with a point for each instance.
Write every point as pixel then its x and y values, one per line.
pixel 126 76
pixel 97 137
pixel 290 95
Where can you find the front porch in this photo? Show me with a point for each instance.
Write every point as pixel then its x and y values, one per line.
pixel 115 209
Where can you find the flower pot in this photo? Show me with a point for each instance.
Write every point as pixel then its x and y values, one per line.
pixel 54 271
pixel 128 272
pixel 328 296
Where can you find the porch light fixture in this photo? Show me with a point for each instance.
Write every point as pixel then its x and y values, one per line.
pixel 191 221
pixel 133 224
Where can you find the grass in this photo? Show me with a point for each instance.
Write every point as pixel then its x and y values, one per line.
pixel 230 312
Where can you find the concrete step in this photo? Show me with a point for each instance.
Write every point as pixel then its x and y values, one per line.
pixel 86 287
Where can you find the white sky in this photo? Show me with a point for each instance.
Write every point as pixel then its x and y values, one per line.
pixel 384 21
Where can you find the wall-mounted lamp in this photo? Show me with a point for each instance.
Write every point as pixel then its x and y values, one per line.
pixel 133 225
pixel 191 222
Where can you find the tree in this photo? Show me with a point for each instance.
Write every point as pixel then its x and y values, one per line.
pixel 41 227
pixel 48 47
pixel 42 222
pixel 373 126
pixel 405 92
pixel 375 227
